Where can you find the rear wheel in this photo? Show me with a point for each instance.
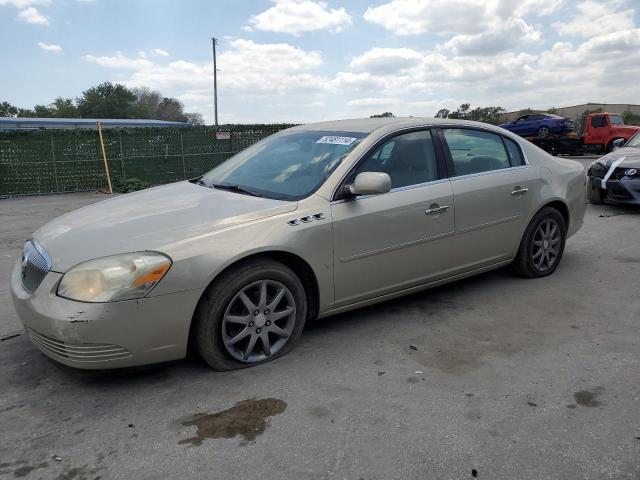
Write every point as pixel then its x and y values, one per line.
pixel 542 245
pixel 594 193
pixel 252 314
pixel 543 132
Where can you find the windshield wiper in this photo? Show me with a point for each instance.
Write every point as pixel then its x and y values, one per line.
pixel 198 181
pixel 237 189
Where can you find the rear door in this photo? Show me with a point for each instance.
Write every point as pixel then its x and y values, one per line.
pixel 493 189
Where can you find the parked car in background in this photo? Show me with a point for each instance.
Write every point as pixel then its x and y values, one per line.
pixel 615 178
pixel 315 220
pixel 601 132
pixel 540 125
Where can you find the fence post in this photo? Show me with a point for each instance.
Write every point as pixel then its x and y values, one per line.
pixel 184 169
pixel 55 167
pixel 124 175
pixel 104 157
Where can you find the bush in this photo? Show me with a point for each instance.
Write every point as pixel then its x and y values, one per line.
pixel 130 185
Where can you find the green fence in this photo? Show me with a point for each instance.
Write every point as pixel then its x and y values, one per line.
pixel 50 161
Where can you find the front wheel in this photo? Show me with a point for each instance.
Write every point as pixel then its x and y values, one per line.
pixel 542 245
pixel 252 314
pixel 543 132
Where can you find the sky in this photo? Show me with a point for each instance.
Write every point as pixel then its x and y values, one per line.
pixel 304 60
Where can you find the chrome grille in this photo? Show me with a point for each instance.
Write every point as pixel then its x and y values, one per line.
pixel 79 352
pixel 36 263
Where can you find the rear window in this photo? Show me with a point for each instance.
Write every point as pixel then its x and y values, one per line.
pixel 616 120
pixel 515 154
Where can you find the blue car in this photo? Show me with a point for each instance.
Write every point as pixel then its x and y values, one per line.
pixel 539 125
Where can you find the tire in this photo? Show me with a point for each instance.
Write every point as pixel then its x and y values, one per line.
pixel 222 316
pixel 543 132
pixel 528 262
pixel 594 194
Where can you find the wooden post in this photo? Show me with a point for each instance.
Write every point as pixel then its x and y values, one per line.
pixel 104 157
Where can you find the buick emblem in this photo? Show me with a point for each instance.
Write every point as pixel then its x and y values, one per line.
pixel 631 172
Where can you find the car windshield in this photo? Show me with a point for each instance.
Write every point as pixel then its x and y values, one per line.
pixel 286 166
pixel 634 141
pixel 616 120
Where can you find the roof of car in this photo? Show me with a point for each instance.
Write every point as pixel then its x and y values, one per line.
pixel 368 125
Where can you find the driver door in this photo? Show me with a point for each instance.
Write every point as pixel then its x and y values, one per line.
pixel 393 241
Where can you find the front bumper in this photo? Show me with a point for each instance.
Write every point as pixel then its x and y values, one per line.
pixel 622 191
pixel 104 335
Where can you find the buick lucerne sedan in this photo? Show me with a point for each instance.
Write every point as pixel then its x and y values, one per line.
pixel 315 220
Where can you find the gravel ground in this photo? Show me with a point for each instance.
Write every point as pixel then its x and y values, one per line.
pixel 493 377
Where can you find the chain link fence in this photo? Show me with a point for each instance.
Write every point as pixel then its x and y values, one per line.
pixel 51 161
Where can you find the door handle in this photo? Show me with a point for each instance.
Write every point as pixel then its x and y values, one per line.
pixel 519 191
pixel 437 210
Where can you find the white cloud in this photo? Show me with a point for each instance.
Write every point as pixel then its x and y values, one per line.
pixel 408 17
pixel 513 33
pixel 595 17
pixel 50 47
pixel 373 102
pixel 32 15
pixel 299 16
pixel 386 60
pixel 24 3
pixel 118 61
pixel 159 52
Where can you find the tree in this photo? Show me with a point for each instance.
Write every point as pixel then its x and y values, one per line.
pixel 630 118
pixel 194 118
pixel 171 109
pixel 491 115
pixel 146 103
pixel 63 108
pixel 383 115
pixel 8 110
pixel 106 100
pixel 42 111
pixel 553 111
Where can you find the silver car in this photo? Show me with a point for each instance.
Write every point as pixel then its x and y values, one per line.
pixel 315 220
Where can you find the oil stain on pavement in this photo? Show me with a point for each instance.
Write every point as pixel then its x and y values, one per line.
pixel 588 398
pixel 248 418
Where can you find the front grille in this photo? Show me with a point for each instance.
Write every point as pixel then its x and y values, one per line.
pixel 36 263
pixel 79 352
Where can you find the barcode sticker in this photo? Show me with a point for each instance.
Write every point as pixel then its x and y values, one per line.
pixel 337 140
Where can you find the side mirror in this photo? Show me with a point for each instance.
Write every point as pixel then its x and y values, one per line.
pixel 618 143
pixel 369 183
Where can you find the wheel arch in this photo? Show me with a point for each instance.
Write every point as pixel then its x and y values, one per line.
pixel 296 263
pixel 559 205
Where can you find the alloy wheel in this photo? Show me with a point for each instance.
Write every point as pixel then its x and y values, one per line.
pixel 546 245
pixel 258 321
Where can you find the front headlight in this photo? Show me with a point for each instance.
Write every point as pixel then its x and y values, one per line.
pixel 109 279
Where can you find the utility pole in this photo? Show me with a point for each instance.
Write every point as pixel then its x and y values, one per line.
pixel 214 42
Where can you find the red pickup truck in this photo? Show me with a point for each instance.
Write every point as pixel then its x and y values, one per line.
pixel 600 131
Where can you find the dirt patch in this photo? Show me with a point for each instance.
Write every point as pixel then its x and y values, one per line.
pixel 248 418
pixel 588 398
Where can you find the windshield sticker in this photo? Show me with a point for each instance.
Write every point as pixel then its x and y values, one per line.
pixel 337 140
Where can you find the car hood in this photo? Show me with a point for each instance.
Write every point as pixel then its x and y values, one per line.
pixel 631 158
pixel 149 220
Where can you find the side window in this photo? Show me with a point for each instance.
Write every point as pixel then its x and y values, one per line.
pixel 515 154
pixel 409 159
pixel 598 121
pixel 474 151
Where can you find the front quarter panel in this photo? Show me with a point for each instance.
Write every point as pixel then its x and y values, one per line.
pixel 199 260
